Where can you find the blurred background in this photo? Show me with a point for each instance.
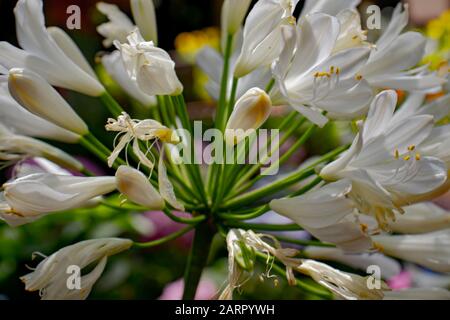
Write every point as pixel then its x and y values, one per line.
pixel 184 28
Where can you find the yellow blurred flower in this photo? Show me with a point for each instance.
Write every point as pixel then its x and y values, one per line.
pixel 188 44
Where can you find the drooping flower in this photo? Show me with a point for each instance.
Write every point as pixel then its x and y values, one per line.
pixel 263 40
pixel 250 113
pixel 312 79
pixel 115 68
pixel 30 197
pixel 150 66
pixel 15 148
pixel 342 284
pixel 431 250
pixel 32 92
pixel 383 164
pixel 132 131
pixel 21 121
pixel 43 55
pixel 137 188
pixel 50 277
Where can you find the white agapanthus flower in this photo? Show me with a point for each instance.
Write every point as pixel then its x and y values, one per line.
pixel 116 69
pixel 30 197
pixel 263 40
pixel 431 250
pixel 43 55
pixel 330 7
pixel 21 121
pixel 392 63
pixel 150 66
pixel 118 27
pixel 145 18
pixel 15 148
pixel 383 164
pixel 50 277
pixel 233 14
pixel 36 95
pixel 312 79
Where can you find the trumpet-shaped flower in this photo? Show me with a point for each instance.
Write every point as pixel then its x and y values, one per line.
pixel 118 27
pixel 311 79
pixel 137 188
pixel 21 121
pixel 131 130
pixel 383 164
pixel 43 55
pixel 15 148
pixel 351 34
pixel 39 194
pixel 32 92
pixel 431 250
pixel 391 64
pixel 150 66
pixel 263 39
pixel 114 66
pixel 250 113
pixel 50 276
pixel 145 18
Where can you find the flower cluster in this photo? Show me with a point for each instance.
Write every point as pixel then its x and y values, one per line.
pixel 313 69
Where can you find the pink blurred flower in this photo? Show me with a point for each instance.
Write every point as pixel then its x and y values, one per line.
pixel 206 290
pixel 401 281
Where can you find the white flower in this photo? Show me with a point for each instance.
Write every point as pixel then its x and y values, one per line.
pixel 50 277
pixel 390 64
pixel 233 14
pixel 114 66
pixel 39 194
pixel 132 131
pixel 21 121
pixel 250 112
pixel 421 218
pixel 312 79
pixel 263 40
pixel 145 18
pixel 329 214
pixel 119 26
pixel 342 284
pixel 418 294
pixel 15 148
pixel 32 92
pixel 165 186
pixel 383 164
pixel 211 62
pixel 150 66
pixel 137 188
pixel 43 55
pixel 431 250
pixel 388 266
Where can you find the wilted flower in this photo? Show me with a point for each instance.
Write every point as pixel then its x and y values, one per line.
pixel 50 277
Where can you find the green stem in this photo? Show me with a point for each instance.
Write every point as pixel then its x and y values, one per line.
pixel 197 260
pixel 270 85
pixel 224 82
pixel 112 105
pixel 166 239
pixel 175 218
pixel 263 226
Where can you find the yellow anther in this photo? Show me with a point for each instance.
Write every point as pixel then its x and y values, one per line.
pixel 378 247
pixel 418 156
pixel 364 227
pixel 411 148
pixel 407 158
pixel 359 77
pixel 355 37
pixel 397 154
pixel 338 70
pixel 332 69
